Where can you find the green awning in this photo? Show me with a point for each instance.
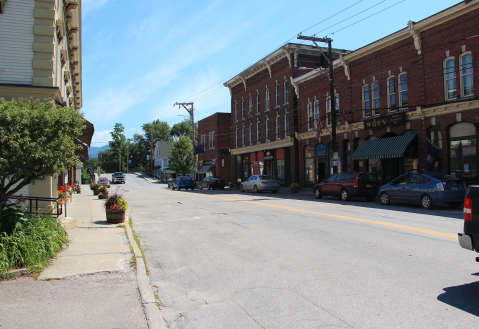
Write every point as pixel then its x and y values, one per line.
pixel 383 148
pixel 204 169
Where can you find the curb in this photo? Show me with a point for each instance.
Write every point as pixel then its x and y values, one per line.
pixel 17 273
pixel 153 315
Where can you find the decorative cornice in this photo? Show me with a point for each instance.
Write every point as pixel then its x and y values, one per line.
pixel 289 141
pixel 347 127
pixel 416 37
pixel 455 107
pixel 345 64
pixel 295 85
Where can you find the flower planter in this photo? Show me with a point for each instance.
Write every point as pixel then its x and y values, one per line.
pixel 295 190
pixel 115 216
pixel 95 192
pixel 103 195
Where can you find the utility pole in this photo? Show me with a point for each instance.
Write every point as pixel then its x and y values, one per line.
pixel 191 111
pixel 329 58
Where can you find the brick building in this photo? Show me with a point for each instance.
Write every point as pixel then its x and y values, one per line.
pixel 214 134
pixel 263 113
pixel 394 96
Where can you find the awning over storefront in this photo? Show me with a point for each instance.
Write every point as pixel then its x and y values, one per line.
pixel 169 171
pixel 205 169
pixel 87 133
pixel 391 147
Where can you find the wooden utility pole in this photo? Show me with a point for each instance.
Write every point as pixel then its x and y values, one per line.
pixel 191 111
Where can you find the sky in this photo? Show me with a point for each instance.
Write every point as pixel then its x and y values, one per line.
pixel 140 57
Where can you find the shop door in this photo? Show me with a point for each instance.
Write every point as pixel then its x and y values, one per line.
pixel 391 169
pixel 321 172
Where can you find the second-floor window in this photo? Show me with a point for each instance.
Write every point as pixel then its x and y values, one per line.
pixel 250 133
pixel 267 130
pixel 258 103
pixel 278 127
pixel 450 78
pixel 310 116
pixel 286 125
pixel 258 131
pixel 316 110
pixel 392 103
pixel 376 101
pixel 267 99
pixel 250 106
pixel 242 109
pixel 328 111
pixel 278 98
pixel 366 101
pixel 236 136
pixel 243 135
pixel 236 111
pixel 286 94
pixel 467 85
pixel 212 140
pixel 402 89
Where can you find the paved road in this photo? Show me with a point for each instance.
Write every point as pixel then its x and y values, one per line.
pixel 225 259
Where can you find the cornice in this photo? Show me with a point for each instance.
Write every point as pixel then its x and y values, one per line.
pixel 264 146
pixel 347 127
pixel 455 107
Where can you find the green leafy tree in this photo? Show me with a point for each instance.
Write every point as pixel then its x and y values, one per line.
pixel 180 148
pixel 161 131
pixel 117 146
pixel 183 128
pixel 36 140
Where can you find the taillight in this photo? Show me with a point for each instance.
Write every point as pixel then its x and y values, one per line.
pixel 468 209
pixel 440 187
pixel 277 183
pixel 263 182
pixel 356 183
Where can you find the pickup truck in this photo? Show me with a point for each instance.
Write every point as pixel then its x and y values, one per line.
pixel 118 177
pixel 470 238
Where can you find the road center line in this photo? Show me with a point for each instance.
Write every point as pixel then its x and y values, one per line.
pixel 402 227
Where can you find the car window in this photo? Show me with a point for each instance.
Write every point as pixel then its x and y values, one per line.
pixel 331 179
pixel 401 180
pixel 264 177
pixel 416 179
pixel 350 177
pixel 340 178
pixel 368 178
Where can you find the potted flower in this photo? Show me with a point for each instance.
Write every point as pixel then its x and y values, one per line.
pixel 294 187
pixel 95 187
pixel 102 192
pixel 116 207
pixel 62 195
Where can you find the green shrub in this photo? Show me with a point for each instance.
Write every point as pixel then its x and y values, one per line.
pixel 294 185
pixel 30 241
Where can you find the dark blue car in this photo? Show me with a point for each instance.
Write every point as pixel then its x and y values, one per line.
pixel 426 189
pixel 185 182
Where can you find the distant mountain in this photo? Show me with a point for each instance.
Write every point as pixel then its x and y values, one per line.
pixel 93 152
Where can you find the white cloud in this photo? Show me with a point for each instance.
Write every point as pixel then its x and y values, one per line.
pixel 101 138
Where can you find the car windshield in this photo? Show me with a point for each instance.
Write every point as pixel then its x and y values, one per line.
pixel 369 178
pixel 103 179
pixel 118 174
pixel 264 177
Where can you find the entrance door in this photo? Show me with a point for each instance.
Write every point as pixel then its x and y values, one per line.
pixel 321 172
pixel 391 169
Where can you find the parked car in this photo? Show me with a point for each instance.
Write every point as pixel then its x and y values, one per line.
pixel 118 177
pixel 104 181
pixel 211 183
pixel 349 185
pixel 259 183
pixel 170 182
pixel 185 182
pixel 426 189
pixel 470 238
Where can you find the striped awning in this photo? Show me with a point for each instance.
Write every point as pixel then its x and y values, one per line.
pixel 383 148
pixel 204 169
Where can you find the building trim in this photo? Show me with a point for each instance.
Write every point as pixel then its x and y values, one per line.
pixel 289 141
pixel 39 91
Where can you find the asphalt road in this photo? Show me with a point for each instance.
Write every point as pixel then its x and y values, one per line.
pixel 226 259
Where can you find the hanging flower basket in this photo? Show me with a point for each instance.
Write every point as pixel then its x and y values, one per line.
pixel 115 216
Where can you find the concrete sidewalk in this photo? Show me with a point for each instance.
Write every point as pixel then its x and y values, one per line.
pixel 91 284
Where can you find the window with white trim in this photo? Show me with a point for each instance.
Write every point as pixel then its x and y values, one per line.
pixel 267 99
pixel 251 133
pixel 310 116
pixel 258 103
pixel 467 84
pixel 402 89
pixel 450 78
pixel 376 101
pixel 328 110
pixel 242 109
pixel 236 136
pixel 242 135
pixel 278 98
pixel 267 130
pixel 236 111
pixel 278 127
pixel 212 139
pixel 286 93
pixel 258 131
pixel 250 106
pixel 316 110
pixel 392 102
pixel 366 101
pixel 286 125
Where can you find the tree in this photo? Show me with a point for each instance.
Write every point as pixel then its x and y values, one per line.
pixel 161 130
pixel 36 140
pixel 117 145
pixel 183 128
pixel 180 148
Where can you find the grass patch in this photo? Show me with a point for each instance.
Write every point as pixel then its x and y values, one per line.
pixel 137 240
pixel 31 241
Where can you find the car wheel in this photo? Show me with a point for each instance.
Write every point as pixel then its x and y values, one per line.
pixel 384 198
pixel 454 205
pixel 255 188
pixel 186 189
pixel 209 187
pixel 317 193
pixel 344 195
pixel 241 188
pixel 222 188
pixel 370 198
pixel 274 191
pixel 178 188
pixel 426 201
pixel 201 187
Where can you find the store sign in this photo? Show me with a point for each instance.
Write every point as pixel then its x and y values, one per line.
pixel 208 162
pixel 268 155
pixel 320 150
pixel 199 149
pixel 388 120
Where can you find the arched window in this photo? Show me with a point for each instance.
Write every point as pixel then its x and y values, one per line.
pixel 450 78
pixel 403 95
pixel 278 127
pixel 309 164
pixel 392 103
pixel 463 150
pixel 258 103
pixel 366 102
pixel 376 100
pixel 278 95
pixel 250 106
pixel 251 133
pixel 242 109
pixel 267 99
pixel 286 124
pixel 236 111
pixel 467 85
pixel 434 134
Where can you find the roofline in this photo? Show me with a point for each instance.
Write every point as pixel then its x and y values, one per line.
pixel 213 114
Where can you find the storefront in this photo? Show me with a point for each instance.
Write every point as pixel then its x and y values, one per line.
pixel 463 155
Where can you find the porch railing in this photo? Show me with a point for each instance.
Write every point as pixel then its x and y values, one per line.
pixel 33 203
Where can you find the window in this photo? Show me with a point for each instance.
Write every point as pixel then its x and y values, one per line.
pixel 392 94
pixel 309 164
pixel 310 116
pixel 267 99
pixel 236 137
pixel 236 111
pixel 251 133
pixel 250 106
pixel 316 110
pixel 328 111
pixel 242 109
pixel 242 135
pixel 267 130
pixel 403 96
pixel 258 103
pixel 376 102
pixel 466 75
pixel 366 102
pixel 286 125
pixel 212 140
pixel 450 79
pixel 463 150
pixel 278 127
pixel 258 131
pixel 278 101
pixel 286 95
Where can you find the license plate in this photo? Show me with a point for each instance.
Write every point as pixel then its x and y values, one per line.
pixel 369 185
pixel 454 188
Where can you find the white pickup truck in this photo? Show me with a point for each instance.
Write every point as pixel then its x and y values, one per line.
pixel 118 177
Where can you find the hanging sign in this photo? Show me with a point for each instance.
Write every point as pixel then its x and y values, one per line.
pixel 268 155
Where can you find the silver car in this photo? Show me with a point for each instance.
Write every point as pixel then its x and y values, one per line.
pixel 259 183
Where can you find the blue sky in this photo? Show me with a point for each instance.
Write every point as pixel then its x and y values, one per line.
pixel 140 57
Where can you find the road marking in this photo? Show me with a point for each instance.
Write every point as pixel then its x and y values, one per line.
pixel 402 227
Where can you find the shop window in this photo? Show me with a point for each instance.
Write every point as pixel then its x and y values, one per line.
pixel 392 104
pixel 286 93
pixel 450 79
pixel 286 125
pixel 310 116
pixel 366 101
pixel 434 134
pixel 258 103
pixel 309 164
pixel 376 101
pixel 411 155
pixel 403 91
pixel 346 154
pixel 467 85
pixel 463 150
pixel 278 93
